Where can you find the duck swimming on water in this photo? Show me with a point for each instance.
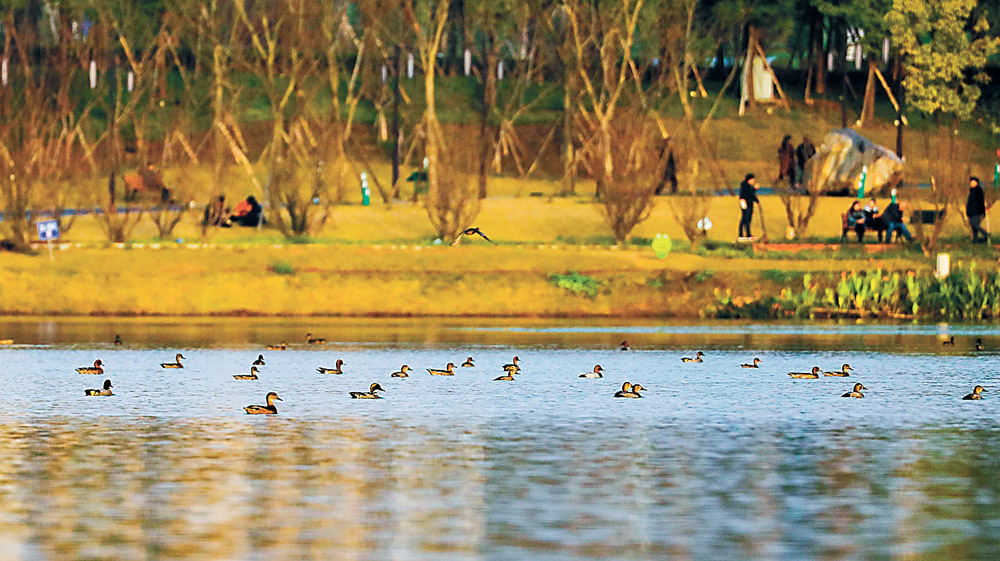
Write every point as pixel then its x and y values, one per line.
pixel 756 364
pixel 118 340
pixel 949 342
pixel 251 376
pixel 176 363
pixel 513 365
pixel 259 361
pixel 979 343
pixel 697 358
pixel 403 372
pixel 806 375
pixel 448 370
pixel 314 340
pixel 508 377
pixel 97 368
pixel 279 347
pixel 370 394
pixel 337 370
pixel 468 363
pixel 630 390
pixel 856 392
pixel 977 393
pixel 841 373
pixel 105 392
pixel 269 409
pixel 595 373
pixel 624 346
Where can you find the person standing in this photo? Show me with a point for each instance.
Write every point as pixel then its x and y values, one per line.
pixel 786 160
pixel 748 196
pixel 804 151
pixel 975 209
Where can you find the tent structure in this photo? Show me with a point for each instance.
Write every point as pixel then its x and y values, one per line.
pixel 759 83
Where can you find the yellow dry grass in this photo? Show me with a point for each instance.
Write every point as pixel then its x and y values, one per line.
pixel 365 280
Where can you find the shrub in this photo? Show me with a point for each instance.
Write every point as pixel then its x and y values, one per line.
pixel 577 283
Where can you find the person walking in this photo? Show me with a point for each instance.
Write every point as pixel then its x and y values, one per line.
pixel 975 209
pixel 786 160
pixel 748 196
pixel 893 216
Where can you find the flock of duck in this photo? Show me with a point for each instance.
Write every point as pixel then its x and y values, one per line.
pixel 629 390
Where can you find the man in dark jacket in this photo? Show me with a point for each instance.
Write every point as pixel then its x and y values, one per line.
pixel 805 151
pixel 975 209
pixel 748 196
pixel 893 216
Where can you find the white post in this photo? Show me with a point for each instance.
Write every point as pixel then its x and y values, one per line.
pixel 885 51
pixel 385 73
pixel 500 70
pixel 131 80
pixel 468 62
pixel 48 242
pixel 409 66
pixel 857 56
pixel 93 74
pixel 3 70
pixel 943 265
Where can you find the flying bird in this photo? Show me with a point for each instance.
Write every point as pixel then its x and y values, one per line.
pixel 472 232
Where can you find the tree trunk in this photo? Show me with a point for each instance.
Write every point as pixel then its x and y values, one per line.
pixel 395 123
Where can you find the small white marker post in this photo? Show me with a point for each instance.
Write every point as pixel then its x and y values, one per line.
pixel 48 230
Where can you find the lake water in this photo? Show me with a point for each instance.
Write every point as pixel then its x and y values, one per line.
pixel 715 462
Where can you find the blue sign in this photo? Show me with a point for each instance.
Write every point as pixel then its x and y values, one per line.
pixel 48 230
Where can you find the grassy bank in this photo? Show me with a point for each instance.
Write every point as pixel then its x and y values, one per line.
pixel 511 220
pixel 412 280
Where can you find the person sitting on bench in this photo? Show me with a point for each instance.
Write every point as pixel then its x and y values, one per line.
pixel 893 216
pixel 873 220
pixel 854 219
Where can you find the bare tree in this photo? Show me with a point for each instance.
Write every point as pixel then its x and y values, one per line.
pixel 800 207
pixel 691 205
pixel 629 193
pixel 427 20
pixel 453 206
pixel 38 130
pixel 609 27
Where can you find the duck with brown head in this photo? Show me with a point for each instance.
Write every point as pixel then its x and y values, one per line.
pixel 842 373
pixel 97 368
pixel 856 392
pixel 370 394
pixel 977 393
pixel 448 370
pixel 176 363
pixel 697 358
pixel 251 376
pixel 269 409
pixel 337 370
pixel 811 375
